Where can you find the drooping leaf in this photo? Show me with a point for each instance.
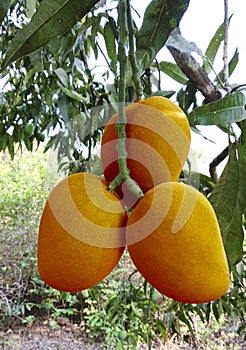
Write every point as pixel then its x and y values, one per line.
pixel 213 48
pixel 4 6
pixel 164 93
pixel 65 108
pixel 187 96
pixel 51 19
pixel 37 60
pixel 72 94
pixel 224 111
pixel 110 42
pixel 160 18
pixel 229 201
pixel 173 71
pixel 63 76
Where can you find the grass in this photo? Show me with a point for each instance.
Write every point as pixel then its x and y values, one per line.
pixel 121 307
pixel 23 191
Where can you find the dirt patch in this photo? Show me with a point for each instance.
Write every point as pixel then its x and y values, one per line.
pixel 41 335
pixel 63 335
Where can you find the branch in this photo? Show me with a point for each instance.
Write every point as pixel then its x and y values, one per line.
pixel 195 72
pixel 219 159
pixel 225 48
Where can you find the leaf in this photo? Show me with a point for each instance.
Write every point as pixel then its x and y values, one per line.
pixel 229 201
pixel 65 108
pixel 173 71
pixel 10 145
pixel 30 7
pixel 36 59
pixel 213 48
pixel 4 6
pixel 63 76
pixel 109 38
pixel 73 94
pixel 160 18
pixel 161 328
pixel 229 109
pixel 51 19
pixel 164 93
pixel 187 96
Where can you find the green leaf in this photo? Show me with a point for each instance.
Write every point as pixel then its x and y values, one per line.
pixel 51 19
pixel 173 71
pixel 109 38
pixel 30 7
pixel 213 48
pixel 164 93
pixel 161 328
pixel 229 201
pixel 187 96
pixel 160 18
pixel 4 6
pixel 37 60
pixel 229 109
pixel 73 94
pixel 10 145
pixel 65 108
pixel 63 76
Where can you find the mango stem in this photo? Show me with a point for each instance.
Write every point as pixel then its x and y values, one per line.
pixel 124 173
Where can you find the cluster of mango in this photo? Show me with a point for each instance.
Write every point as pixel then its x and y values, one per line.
pixel 172 233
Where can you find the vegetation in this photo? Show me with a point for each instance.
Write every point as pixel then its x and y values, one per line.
pixel 122 309
pixel 55 98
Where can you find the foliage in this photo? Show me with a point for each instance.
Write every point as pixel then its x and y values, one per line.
pixel 48 97
pixel 122 310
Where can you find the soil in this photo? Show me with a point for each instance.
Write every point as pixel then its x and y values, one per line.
pixel 67 336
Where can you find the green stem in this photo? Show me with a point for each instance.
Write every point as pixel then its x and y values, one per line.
pixel 132 54
pixel 123 175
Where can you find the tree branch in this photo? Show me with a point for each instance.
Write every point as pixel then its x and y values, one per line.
pixel 225 48
pixel 219 159
pixel 195 72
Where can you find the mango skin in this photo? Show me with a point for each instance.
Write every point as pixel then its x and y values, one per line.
pixel 174 240
pixel 157 145
pixel 81 234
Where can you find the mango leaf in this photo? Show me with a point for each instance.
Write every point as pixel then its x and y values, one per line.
pixel 65 108
pixel 213 48
pixel 173 71
pixel 51 19
pixel 36 59
pixel 109 37
pixel 30 8
pixel 72 94
pixel 229 201
pixel 228 110
pixel 4 6
pixel 160 18
pixel 63 76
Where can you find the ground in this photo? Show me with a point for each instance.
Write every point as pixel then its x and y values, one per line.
pixel 42 335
